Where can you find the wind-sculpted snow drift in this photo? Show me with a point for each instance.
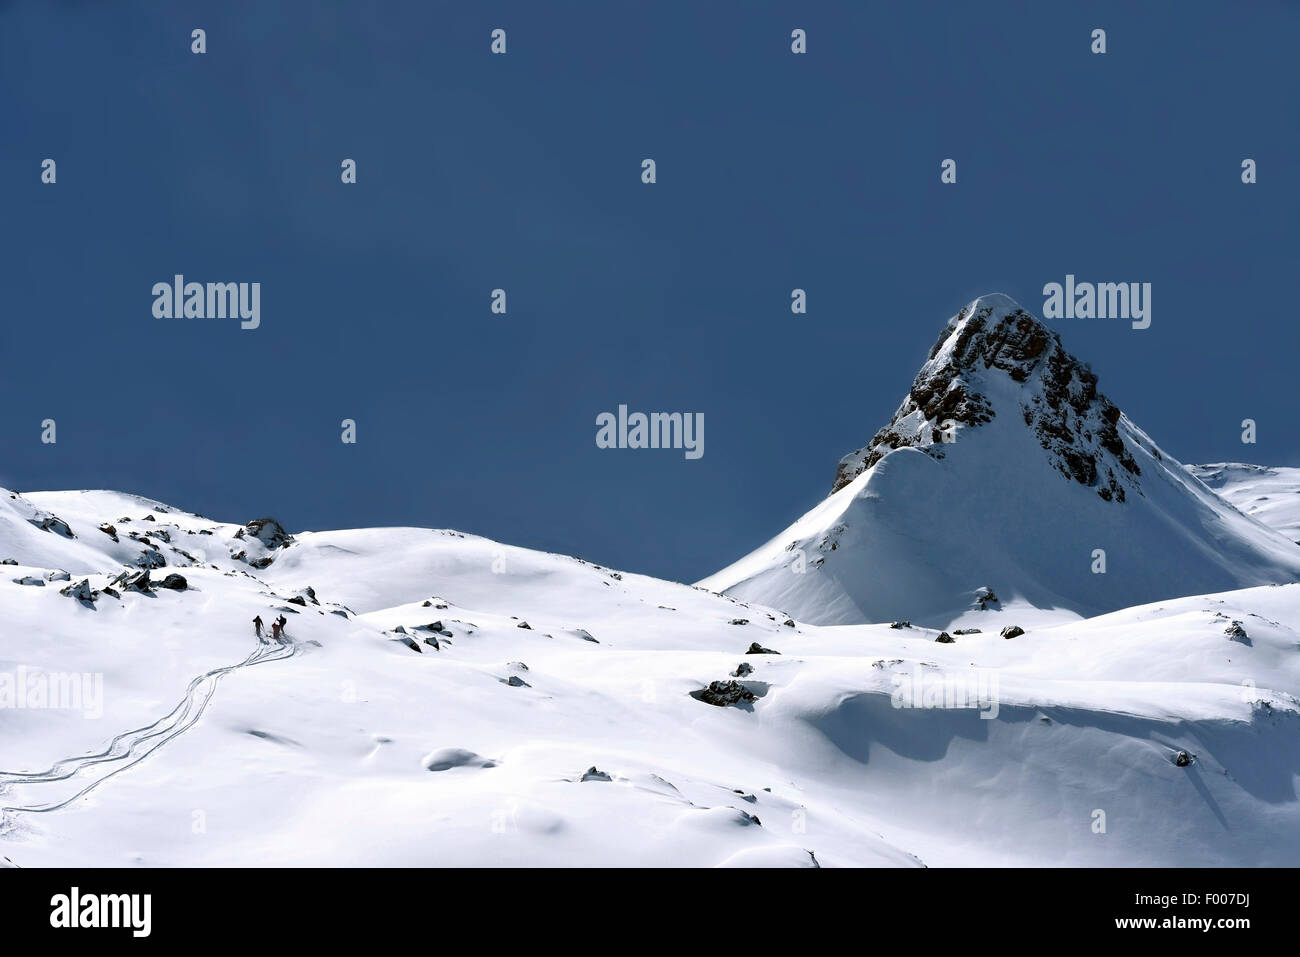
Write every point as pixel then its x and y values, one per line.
pixel 1005 468
pixel 443 699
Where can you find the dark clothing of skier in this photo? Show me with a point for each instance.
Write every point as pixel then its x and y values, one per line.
pixel 257 626
pixel 276 630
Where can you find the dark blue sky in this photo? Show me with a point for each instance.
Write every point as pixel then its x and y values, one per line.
pixel 522 171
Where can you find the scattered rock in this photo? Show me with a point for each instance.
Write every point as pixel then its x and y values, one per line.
pixel 269 532
pixel 30 580
pixel 742 669
pixel 594 774
pixel 757 649
pixel 524 625
pixel 1236 632
pixel 722 693
pixel 175 582
pixel 739 621
pixel 139 582
pixel 986 596
pixel 52 523
pixel 81 591
pixel 789 623
pixel 945 638
pixel 900 624
pixel 1182 759
pixel 109 530
pixel 57 575
pixel 515 681
pixel 1012 631
pixel 967 631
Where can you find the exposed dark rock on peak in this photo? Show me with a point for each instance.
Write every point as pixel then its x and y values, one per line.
pixel 1057 394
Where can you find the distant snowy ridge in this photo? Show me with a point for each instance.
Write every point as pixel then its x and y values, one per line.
pixel 1270 495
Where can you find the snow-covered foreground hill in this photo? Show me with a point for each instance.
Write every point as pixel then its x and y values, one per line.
pixel 447 700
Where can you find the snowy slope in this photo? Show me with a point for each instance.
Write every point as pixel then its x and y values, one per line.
pixel 1271 495
pixel 1004 468
pixel 373 737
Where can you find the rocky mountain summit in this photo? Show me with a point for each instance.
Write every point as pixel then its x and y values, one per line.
pixel 1006 471
pixel 994 339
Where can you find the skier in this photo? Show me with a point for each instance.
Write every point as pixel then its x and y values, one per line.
pixel 257 627
pixel 276 629
pixel 283 622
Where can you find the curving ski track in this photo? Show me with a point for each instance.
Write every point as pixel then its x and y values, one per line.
pixel 129 748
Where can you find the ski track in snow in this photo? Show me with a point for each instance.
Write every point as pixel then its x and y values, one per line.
pixel 198 695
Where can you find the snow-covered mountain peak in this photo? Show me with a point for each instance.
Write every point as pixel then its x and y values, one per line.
pixel 1005 471
pixel 993 358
